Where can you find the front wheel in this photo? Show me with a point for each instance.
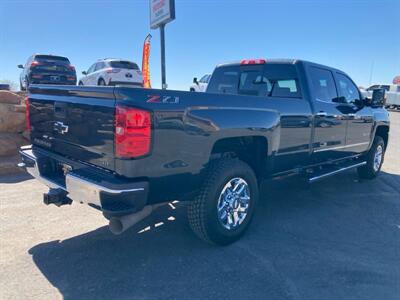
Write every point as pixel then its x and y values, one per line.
pixel 374 159
pixel 225 205
pixel 102 82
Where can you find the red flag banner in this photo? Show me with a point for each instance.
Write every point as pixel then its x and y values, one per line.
pixel 145 62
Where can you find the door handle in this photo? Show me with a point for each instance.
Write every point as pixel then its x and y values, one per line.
pixel 322 114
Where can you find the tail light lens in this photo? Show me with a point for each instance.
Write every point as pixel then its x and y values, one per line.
pixel 27 115
pixel 35 63
pixel 71 68
pixel 132 132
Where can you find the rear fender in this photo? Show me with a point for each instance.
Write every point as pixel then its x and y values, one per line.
pixel 220 123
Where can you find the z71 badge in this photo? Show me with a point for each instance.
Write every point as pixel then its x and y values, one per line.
pixel 162 99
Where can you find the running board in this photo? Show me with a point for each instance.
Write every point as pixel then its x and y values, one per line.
pixel 321 175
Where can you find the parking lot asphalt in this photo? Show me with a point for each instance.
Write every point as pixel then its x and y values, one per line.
pixel 335 239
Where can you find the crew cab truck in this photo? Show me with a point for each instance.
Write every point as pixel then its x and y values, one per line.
pixel 124 151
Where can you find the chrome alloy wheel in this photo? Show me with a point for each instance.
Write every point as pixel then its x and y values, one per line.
pixel 233 203
pixel 378 158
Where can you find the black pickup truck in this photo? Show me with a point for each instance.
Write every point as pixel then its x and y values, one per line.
pixel 126 150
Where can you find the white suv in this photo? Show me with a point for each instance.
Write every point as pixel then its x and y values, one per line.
pixel 201 85
pixel 112 72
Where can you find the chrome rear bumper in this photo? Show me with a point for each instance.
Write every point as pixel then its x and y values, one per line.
pixel 110 197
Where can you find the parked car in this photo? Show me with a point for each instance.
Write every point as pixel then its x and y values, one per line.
pixel 392 94
pixel 112 71
pixel 49 69
pixel 201 85
pixel 4 87
pixel 125 151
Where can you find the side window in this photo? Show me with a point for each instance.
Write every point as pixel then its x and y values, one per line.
pixel 322 84
pixel 99 66
pixel 203 79
pixel 91 69
pixel 347 89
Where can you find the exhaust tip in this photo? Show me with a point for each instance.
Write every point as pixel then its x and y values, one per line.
pixel 116 226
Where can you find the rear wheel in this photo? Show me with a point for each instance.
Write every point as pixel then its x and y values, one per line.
pixel 222 211
pixel 374 159
pixel 80 83
pixel 101 82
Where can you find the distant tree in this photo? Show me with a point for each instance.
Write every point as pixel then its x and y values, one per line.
pixel 13 85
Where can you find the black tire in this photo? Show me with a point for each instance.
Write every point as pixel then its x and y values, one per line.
pixel 101 82
pixel 203 212
pixel 26 84
pixel 21 87
pixel 80 83
pixel 192 89
pixel 370 170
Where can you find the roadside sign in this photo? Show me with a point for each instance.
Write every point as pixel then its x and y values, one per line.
pixel 161 12
pixel 396 80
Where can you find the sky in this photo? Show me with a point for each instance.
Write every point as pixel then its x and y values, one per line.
pixel 360 37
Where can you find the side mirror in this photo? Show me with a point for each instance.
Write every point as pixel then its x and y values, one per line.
pixel 359 102
pixel 340 99
pixel 378 97
pixel 20 66
pixel 84 72
pixel 195 81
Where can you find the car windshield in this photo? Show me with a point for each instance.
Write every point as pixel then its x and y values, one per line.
pixel 120 64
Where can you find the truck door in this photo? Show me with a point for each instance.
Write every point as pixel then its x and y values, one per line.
pixel 329 137
pixel 359 119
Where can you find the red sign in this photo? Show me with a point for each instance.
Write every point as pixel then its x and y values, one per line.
pixel 396 80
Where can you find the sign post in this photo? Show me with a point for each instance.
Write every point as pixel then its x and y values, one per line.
pixel 161 13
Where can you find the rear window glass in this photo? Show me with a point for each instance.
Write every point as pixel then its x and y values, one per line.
pixel 323 84
pixel 124 65
pixel 45 58
pixel 274 80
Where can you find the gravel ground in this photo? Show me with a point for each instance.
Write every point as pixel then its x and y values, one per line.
pixel 336 239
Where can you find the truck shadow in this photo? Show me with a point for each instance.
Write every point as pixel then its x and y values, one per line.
pixel 161 258
pixel 15 178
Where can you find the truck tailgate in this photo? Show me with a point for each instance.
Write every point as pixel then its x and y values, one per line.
pixel 77 122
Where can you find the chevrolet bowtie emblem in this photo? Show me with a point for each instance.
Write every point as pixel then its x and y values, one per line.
pixel 60 127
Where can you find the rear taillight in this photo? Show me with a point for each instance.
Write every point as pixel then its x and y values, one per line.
pixel 111 70
pixel 71 68
pixel 35 63
pixel 132 132
pixel 27 115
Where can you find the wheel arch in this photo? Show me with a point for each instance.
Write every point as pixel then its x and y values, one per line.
pixel 383 132
pixel 253 150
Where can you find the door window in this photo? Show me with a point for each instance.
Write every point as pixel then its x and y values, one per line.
pixel 347 89
pixel 99 66
pixel 322 84
pixel 91 69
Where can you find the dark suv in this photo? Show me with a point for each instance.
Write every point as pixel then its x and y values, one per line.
pixel 48 69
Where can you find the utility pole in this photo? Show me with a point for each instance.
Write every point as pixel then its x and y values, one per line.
pixel 163 73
